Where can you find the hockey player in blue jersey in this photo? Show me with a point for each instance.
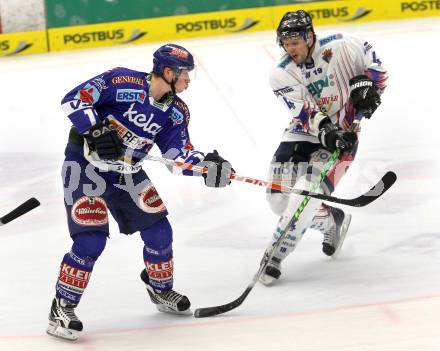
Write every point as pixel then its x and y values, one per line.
pixel 117 117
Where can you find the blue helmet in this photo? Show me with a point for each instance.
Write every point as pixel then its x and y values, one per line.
pixel 174 56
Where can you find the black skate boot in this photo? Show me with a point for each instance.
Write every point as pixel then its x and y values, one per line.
pixel 334 237
pixel 271 273
pixel 168 301
pixel 63 322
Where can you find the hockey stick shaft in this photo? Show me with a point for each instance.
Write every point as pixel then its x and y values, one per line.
pixel 376 191
pixel 215 310
pixel 20 210
pixel 200 169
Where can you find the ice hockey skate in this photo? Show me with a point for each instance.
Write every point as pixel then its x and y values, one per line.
pixel 63 323
pixel 335 236
pixel 167 301
pixel 271 273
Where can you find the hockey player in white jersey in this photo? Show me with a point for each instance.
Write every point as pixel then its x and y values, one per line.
pixel 328 84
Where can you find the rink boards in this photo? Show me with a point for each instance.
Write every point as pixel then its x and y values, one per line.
pixel 174 28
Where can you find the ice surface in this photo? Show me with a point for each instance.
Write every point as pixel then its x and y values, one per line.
pixel 382 294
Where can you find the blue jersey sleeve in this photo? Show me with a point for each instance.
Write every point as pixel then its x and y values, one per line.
pixel 82 104
pixel 174 141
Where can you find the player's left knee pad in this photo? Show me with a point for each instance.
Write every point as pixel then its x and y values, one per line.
pixel 77 265
pixel 158 254
pixel 277 202
pixel 158 241
pixel 89 245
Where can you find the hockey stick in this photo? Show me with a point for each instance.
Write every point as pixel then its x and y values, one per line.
pixel 215 310
pixel 20 210
pixel 374 193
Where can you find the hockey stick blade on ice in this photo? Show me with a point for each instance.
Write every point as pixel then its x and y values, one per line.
pixel 374 193
pixel 20 210
pixel 371 195
pixel 215 310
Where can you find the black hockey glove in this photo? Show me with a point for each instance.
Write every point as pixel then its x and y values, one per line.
pixel 105 141
pixel 219 170
pixel 333 137
pixel 364 95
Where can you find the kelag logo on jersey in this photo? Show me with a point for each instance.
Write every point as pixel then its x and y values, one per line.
pixel 131 95
pixel 142 121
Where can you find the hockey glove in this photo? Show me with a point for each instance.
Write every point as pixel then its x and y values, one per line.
pixel 105 141
pixel 219 170
pixel 364 95
pixel 333 137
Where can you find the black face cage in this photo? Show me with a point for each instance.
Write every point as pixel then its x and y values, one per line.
pixel 295 33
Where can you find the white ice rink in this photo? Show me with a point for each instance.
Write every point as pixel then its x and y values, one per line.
pixel 382 294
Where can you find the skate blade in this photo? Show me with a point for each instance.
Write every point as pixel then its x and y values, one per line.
pixel 166 309
pixel 62 333
pixel 267 280
pixel 343 234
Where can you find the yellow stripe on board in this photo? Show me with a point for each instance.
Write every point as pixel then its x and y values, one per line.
pixel 161 29
pixel 23 43
pixel 339 12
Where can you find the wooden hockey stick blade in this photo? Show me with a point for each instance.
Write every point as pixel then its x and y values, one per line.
pixel 371 195
pixel 20 210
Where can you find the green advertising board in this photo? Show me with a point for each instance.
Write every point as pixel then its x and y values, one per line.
pixel 64 13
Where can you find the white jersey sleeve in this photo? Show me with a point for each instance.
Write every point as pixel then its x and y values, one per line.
pixel 365 56
pixel 290 90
